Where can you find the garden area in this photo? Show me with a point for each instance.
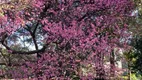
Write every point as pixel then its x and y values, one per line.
pixel 70 39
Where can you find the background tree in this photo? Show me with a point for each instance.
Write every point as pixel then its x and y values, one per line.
pixel 135 29
pixel 137 55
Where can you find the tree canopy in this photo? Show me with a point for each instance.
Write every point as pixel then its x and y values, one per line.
pixel 76 33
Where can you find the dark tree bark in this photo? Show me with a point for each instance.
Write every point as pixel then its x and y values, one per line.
pixel 112 64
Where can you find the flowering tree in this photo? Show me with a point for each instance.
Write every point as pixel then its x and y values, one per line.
pixel 76 33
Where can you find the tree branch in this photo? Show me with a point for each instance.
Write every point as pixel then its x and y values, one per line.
pixel 24 52
pixel 97 13
pixel 33 37
pixel 35 27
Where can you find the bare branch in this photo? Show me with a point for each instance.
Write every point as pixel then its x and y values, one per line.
pixel 24 52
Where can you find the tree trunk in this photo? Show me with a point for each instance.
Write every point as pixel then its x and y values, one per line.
pixel 129 71
pixel 112 64
pixel 100 72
